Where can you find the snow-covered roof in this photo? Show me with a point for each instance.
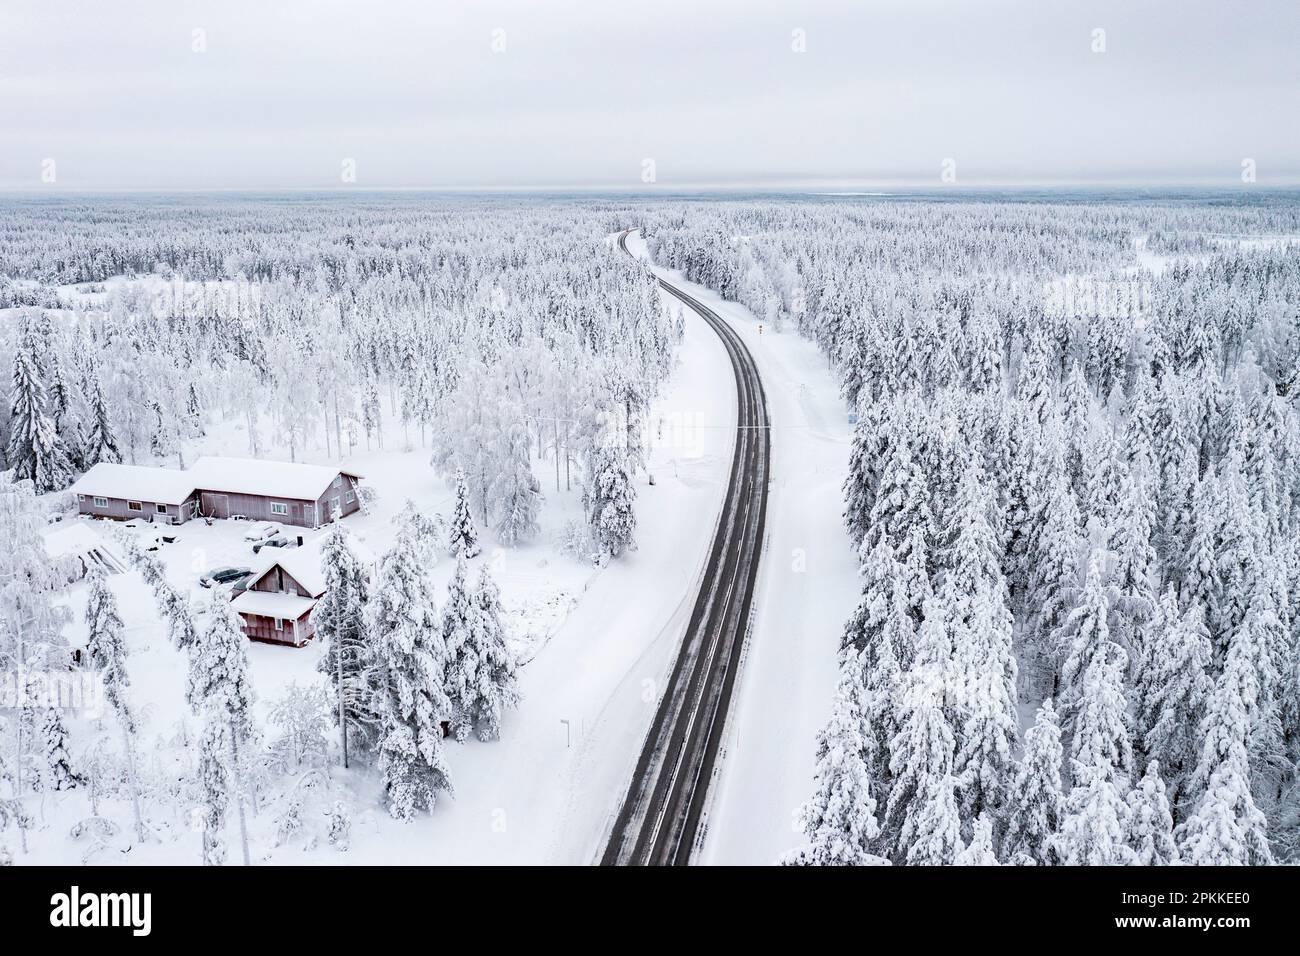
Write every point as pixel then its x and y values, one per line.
pixel 304 564
pixel 274 479
pixel 78 539
pixel 241 476
pixel 273 604
pixel 136 483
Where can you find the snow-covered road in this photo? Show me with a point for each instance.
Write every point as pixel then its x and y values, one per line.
pixel 807 589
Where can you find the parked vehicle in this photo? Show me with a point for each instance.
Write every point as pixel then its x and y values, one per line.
pixel 279 541
pixel 262 530
pixel 228 575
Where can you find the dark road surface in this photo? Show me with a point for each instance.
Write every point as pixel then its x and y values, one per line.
pixel 659 820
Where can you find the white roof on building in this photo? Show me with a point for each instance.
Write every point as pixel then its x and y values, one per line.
pixel 273 604
pixel 304 564
pixel 135 483
pixel 241 476
pixel 274 479
pixel 77 539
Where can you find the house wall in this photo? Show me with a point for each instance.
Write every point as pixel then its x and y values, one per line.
pixel 216 503
pixel 118 509
pixel 345 485
pixel 277 580
pixel 258 508
pixel 259 628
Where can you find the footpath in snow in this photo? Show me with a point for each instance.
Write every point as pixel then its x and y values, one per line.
pixel 808 587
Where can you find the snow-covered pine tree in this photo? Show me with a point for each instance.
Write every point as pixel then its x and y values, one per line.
pixel 923 826
pixel 1081 639
pixel 460 620
pixel 221 692
pixel 1036 804
pixel 54 770
pixel 409 658
pixel 496 679
pixel 462 536
pixel 515 491
pixel 1053 580
pixel 840 817
pixel 979 852
pixel 105 648
pixel 106 654
pixel 215 784
pixel 1094 830
pixel 1226 826
pixel 610 499
pixel 1150 823
pixel 35 452
pixel 340 619
pixel 1174 692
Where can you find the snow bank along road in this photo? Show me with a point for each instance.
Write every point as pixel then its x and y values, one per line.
pixel 659 821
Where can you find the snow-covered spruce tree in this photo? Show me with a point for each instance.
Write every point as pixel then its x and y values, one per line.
pixel 36 452
pixel 460 620
pixel 901 504
pixel 54 769
pixel 983 667
pixel 340 619
pixel 1174 693
pixel 1132 577
pixel 1226 828
pixel 409 659
pixel 105 648
pixel 878 572
pixel 840 817
pixel 610 499
pixel 221 692
pixel 1053 552
pixel 979 852
pixel 496 679
pixel 515 491
pixel 215 784
pixel 1150 823
pixel 870 441
pixel 1094 830
pixel 1036 805
pixel 1081 639
pixel 106 654
pixel 922 823
pixel 462 536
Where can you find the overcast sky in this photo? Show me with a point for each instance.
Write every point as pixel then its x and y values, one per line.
pixel 712 91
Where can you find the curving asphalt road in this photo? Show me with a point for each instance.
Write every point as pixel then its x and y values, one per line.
pixel 659 820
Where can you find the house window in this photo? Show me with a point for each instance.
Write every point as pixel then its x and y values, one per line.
pixel 162 509
pixel 133 506
pixel 338 481
pixel 101 502
pixel 279 624
pixel 349 497
pixel 279 508
pixel 334 504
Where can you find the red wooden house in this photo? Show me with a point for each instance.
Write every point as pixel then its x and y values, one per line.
pixel 276 607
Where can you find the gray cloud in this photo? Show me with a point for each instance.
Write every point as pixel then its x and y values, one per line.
pixel 584 91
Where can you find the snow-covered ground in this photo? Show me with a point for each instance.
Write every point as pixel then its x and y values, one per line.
pixel 808 588
pixel 596 644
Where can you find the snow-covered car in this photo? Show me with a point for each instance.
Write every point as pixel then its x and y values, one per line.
pixel 262 530
pixel 279 541
pixel 235 576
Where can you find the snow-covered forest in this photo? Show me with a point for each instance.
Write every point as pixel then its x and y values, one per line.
pixel 1074 491
pixel 1073 494
pixel 506 346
